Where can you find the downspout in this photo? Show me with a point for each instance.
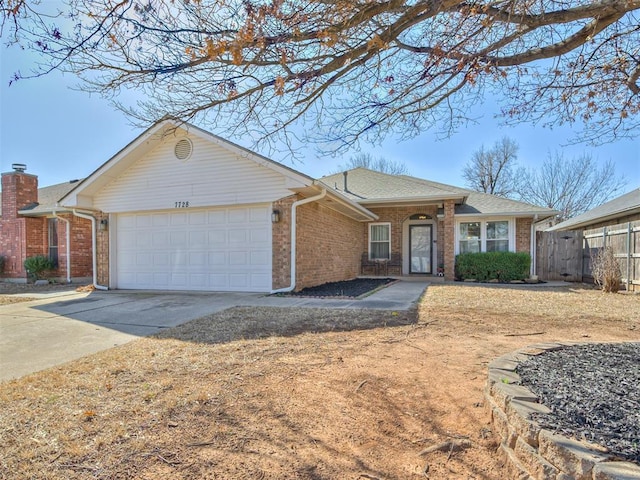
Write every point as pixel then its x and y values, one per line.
pixel 68 244
pixel 294 207
pixel 93 248
pixel 533 247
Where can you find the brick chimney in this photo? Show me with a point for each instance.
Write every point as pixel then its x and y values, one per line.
pixel 19 190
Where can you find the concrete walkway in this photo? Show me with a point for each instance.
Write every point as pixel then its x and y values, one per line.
pixel 63 326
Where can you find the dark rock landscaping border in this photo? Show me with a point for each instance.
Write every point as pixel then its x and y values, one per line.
pixel 532 452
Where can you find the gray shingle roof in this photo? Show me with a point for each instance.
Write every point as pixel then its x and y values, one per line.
pixel 623 205
pixel 484 203
pixel 364 184
pixel 368 186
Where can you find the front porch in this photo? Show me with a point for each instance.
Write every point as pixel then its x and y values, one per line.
pixel 410 240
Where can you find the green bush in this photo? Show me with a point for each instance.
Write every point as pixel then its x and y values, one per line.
pixel 37 267
pixel 501 266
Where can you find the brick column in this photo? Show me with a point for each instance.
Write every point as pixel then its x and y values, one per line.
pixel 281 243
pixel 102 249
pixel 449 240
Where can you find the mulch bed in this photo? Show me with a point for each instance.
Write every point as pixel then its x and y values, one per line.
pixel 345 289
pixel 593 392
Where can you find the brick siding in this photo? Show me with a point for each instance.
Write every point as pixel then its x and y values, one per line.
pixel 329 246
pixel 22 237
pixel 523 235
pixel 397 217
pixel 102 250
pixel 449 240
pixel 281 244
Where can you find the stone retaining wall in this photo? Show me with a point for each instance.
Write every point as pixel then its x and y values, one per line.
pixel 530 451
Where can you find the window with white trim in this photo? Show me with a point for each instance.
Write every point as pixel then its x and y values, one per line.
pixel 379 241
pixel 498 236
pixel 486 236
pixel 470 237
pixel 52 227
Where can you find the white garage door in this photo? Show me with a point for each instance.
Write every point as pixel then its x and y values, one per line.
pixel 223 249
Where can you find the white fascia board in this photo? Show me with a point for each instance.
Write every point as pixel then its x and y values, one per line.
pixel 591 221
pixel 369 215
pixel 545 214
pixel 411 200
pixel 105 171
pixel 42 213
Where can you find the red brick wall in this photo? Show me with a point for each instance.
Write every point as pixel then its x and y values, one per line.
pixel 13 247
pixel 397 216
pixel 22 237
pixel 102 250
pixel 18 191
pixel 329 246
pixel 281 244
pixel 80 248
pixel 523 235
pixel 449 240
pixel 19 237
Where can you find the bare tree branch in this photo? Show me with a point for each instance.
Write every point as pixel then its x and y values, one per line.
pixel 380 164
pixel 571 186
pixel 357 70
pixel 495 170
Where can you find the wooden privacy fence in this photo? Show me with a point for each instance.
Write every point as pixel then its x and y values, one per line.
pixel 559 256
pixel 567 255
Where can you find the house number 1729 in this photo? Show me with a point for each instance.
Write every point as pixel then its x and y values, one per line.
pixel 181 204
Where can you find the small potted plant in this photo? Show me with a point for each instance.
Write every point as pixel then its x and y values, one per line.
pixel 441 270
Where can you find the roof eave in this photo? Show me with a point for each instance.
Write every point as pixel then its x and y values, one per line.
pixel 599 219
pixel 43 212
pixel 541 214
pixel 359 212
pixel 411 200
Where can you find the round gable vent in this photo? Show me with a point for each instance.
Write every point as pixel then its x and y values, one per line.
pixel 183 149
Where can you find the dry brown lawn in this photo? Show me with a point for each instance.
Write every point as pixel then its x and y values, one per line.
pixel 267 393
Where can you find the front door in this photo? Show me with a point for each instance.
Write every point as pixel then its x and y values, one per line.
pixel 420 248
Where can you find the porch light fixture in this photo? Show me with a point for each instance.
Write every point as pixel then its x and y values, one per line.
pixel 104 223
pixel 275 216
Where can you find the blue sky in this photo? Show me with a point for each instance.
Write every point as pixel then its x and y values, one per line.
pixel 63 134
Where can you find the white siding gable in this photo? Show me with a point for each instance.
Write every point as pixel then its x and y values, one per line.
pixel 211 176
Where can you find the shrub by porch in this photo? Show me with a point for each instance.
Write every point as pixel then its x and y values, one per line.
pixel 487 266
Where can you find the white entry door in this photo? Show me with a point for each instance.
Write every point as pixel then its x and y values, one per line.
pixel 221 249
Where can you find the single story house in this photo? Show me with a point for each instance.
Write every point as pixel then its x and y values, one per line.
pixel 622 209
pixel 31 223
pixel 182 209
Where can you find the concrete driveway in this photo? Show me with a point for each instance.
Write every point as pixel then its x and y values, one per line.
pixel 64 326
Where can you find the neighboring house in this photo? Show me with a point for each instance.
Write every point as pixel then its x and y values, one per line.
pixel 623 209
pixel 32 224
pixel 182 209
